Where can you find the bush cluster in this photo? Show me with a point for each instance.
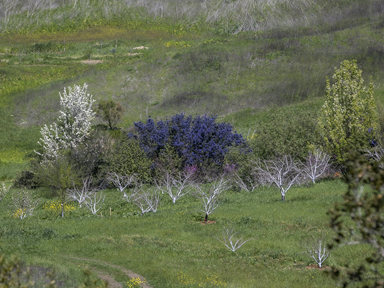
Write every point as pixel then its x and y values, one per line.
pixel 192 141
pixel 286 132
pixel 127 158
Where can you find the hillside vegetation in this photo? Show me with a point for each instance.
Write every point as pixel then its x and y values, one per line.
pixel 259 65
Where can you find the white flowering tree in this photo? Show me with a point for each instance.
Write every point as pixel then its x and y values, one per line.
pixel 72 126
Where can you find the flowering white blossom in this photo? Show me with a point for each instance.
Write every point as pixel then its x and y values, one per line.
pixel 73 124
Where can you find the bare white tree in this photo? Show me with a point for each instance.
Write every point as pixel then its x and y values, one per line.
pixel 23 204
pixel 315 165
pixel 376 154
pixel 83 194
pixel 175 187
pixel 3 190
pixel 316 248
pixel 122 182
pixel 147 200
pixel 248 184
pixel 95 202
pixel 74 122
pixel 165 184
pixel 283 172
pixel 230 240
pixel 210 197
pixel 131 195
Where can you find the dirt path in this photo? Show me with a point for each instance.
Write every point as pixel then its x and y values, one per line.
pixel 111 281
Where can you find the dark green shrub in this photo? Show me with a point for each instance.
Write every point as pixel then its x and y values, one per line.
pixel 168 160
pixel 127 158
pixel 286 132
pixel 89 157
pixel 243 162
pixel 26 179
pixel 110 112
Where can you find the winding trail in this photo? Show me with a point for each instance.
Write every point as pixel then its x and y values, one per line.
pixel 112 282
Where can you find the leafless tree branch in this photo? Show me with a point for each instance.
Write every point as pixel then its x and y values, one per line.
pixel 210 198
pixel 376 154
pixel 316 248
pixel 283 172
pixel 248 184
pixel 3 190
pixel 7 7
pixel 23 203
pixel 147 200
pixel 315 165
pixel 230 240
pixel 94 202
pixel 122 182
pixel 175 187
pixel 83 194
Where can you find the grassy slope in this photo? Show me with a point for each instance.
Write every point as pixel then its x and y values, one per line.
pixel 214 75
pixel 239 77
pixel 161 246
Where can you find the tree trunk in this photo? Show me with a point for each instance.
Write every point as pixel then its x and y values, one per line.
pixel 282 197
pixel 206 218
pixel 110 124
pixel 62 210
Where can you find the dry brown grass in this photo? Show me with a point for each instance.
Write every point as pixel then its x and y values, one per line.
pixel 91 62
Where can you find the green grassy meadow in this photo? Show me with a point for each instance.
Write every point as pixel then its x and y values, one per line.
pixel 195 62
pixel 172 242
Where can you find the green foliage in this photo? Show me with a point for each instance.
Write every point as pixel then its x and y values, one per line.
pixel 380 128
pixel 127 158
pixel 348 113
pixel 14 81
pixel 359 220
pixel 285 132
pixel 59 175
pixel 25 179
pixel 175 233
pixel 168 160
pixel 89 158
pixel 111 112
pixel 91 281
pixel 12 274
pixel 243 162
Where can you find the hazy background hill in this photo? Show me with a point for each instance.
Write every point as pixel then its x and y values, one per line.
pixel 230 58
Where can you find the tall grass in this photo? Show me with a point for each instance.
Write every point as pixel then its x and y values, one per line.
pixel 228 16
